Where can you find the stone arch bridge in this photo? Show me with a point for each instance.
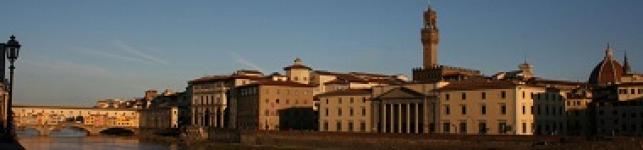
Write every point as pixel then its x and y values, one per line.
pixel 46 119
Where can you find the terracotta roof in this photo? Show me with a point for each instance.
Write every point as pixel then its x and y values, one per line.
pixel 250 71
pixel 215 78
pixel 324 72
pixel 549 81
pixel 631 84
pixel 475 84
pixel 297 66
pixel 278 83
pixel 370 74
pixel 608 71
pixel 347 92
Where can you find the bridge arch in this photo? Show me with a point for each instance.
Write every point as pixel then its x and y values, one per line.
pixel 118 131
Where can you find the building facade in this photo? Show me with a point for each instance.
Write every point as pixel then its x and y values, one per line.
pixel 211 98
pixel 259 103
pixel 348 110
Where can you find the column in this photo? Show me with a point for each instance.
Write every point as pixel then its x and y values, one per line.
pixel 399 118
pixel 390 125
pixel 382 116
pixel 417 120
pixel 408 117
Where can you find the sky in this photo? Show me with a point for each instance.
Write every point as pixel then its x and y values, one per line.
pixel 76 52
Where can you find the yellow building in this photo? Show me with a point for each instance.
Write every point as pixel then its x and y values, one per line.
pixel 345 111
pixel 481 106
pixel 259 103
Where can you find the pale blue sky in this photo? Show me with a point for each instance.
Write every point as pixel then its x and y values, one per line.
pixel 75 52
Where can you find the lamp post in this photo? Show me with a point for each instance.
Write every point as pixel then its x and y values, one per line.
pixel 12 48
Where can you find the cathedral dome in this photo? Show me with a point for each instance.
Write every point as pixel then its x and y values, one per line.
pixel 608 71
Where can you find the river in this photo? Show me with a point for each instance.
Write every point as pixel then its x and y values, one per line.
pixel 71 139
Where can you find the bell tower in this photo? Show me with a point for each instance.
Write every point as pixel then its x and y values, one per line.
pixel 430 38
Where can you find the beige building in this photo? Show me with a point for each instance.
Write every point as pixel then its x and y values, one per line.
pixel 482 106
pixel 210 97
pixel 260 103
pixel 346 110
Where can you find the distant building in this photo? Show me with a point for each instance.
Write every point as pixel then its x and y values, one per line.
pixel 167 111
pixel 211 98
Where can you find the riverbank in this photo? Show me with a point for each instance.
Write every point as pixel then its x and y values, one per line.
pixel 8 144
pixel 330 140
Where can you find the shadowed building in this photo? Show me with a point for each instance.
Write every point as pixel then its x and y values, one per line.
pixel 211 98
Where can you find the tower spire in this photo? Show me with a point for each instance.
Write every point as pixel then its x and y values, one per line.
pixel 430 38
pixel 626 64
pixel 608 51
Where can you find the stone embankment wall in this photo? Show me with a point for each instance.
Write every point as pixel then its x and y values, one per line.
pixel 331 140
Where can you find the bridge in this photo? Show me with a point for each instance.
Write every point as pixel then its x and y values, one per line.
pixel 93 121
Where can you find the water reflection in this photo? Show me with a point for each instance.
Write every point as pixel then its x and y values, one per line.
pixel 75 139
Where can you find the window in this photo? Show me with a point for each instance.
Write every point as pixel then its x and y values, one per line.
pixel 351 100
pixel 484 95
pixel 464 96
pixel 362 126
pixel 503 109
pixel 482 127
pixel 363 99
pixel 532 110
pixel 325 125
pixel 339 111
pixel 326 111
pixel 502 127
pixel 524 127
pixel 277 101
pixel 446 96
pixel 632 91
pixel 464 109
pixel 483 109
pixel 339 126
pixel 640 91
pixel 446 127
pixel 523 95
pixel 340 100
pixel 447 109
pixel 523 110
pixel 350 126
pixel 267 112
pixel 503 94
pixel 463 127
pixel 351 112
pixel 363 111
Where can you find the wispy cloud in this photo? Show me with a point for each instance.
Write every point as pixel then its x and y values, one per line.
pixel 138 52
pixel 244 61
pixel 126 52
pixel 64 66
pixel 113 56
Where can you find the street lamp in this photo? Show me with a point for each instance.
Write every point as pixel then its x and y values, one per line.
pixel 12 48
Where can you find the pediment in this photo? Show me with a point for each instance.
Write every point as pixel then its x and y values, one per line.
pixel 401 93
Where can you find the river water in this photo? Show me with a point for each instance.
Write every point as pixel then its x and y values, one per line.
pixel 71 139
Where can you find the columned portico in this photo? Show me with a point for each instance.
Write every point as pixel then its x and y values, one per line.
pixel 401 111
